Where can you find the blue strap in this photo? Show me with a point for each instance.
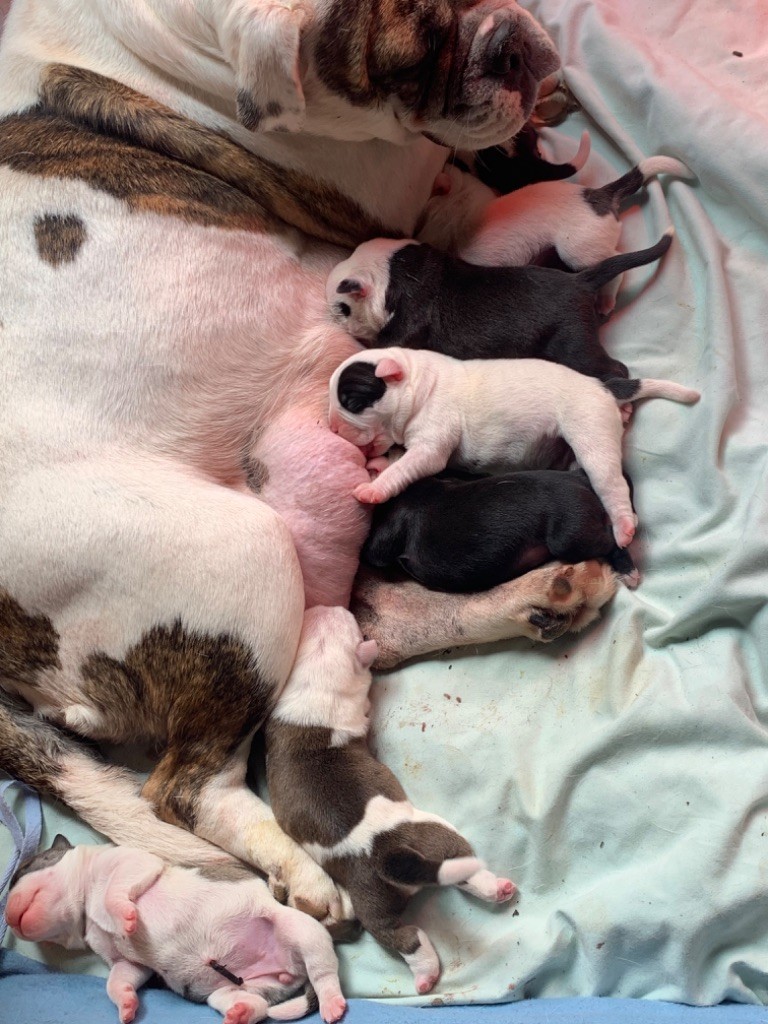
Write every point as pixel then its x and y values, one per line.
pixel 25 841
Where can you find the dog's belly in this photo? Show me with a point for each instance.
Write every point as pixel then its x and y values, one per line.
pixel 133 330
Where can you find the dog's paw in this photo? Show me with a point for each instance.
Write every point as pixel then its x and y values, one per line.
pixel 562 598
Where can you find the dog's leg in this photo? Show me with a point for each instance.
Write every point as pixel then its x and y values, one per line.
pixel 128 881
pixel 201 786
pixel 407 620
pixel 238 1006
pixel 173 618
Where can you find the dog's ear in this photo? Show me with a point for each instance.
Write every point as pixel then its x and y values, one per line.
pixel 61 843
pixel 367 652
pixel 262 40
pixel 389 370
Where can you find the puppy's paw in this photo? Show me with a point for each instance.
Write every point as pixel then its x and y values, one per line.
pixel 624 530
pixel 333 1009
pixel 369 494
pixel 129 1004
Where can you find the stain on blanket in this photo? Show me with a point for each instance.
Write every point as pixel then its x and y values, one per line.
pixel 93 129
pixel 59 238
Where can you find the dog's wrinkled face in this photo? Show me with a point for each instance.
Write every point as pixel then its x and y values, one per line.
pixel 356 289
pixel 460 72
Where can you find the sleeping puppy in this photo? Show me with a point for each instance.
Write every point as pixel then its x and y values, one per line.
pixel 406 294
pixel 492 414
pixel 346 809
pixel 581 224
pixel 462 535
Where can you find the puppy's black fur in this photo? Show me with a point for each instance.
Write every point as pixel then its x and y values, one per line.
pixel 463 535
pixel 507 172
pixel 445 304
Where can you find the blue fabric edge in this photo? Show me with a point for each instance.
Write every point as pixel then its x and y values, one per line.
pixel 32 993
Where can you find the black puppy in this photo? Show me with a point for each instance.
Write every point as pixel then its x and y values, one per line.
pixel 411 295
pixel 464 535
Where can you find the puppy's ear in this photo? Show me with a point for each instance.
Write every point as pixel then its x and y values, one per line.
pixel 61 843
pixel 389 370
pixel 354 287
pixel 262 39
pixel 367 652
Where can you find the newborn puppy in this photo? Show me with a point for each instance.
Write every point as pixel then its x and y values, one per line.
pixel 519 162
pixel 470 535
pixel 581 224
pixel 347 810
pixel 407 294
pixel 212 934
pixel 493 414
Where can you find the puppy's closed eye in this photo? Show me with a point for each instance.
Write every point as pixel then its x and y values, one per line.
pixel 343 308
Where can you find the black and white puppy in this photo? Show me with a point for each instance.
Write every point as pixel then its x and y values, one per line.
pixel 464 535
pixel 347 809
pixel 399 292
pixel 487 415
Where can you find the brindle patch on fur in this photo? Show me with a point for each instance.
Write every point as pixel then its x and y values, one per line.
pixel 28 643
pixel 305 776
pixel 91 128
pixel 256 474
pixel 199 696
pixel 59 238
pixel 224 872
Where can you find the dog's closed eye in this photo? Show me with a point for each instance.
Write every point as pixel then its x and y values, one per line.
pixel 343 308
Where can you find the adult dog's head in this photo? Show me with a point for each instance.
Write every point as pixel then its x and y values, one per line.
pixel 460 72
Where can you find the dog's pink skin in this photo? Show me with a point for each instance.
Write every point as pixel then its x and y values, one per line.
pixel 311 476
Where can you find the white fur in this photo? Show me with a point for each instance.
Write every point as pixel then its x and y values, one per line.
pixel 491 414
pixel 468 220
pixel 100 897
pixel 138 375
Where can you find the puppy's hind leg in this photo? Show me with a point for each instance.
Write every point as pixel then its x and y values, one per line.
pixel 594 430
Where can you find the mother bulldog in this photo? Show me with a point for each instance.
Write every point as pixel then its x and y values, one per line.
pixel 176 179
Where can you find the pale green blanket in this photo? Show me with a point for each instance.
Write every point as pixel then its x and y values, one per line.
pixel 621 778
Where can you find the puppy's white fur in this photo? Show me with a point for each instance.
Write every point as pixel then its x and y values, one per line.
pixel 466 218
pixel 134 911
pixel 491 414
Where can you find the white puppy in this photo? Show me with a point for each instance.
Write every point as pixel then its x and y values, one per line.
pixel 489 414
pixel 467 219
pixel 213 934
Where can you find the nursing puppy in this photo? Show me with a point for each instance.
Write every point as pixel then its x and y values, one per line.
pixel 346 809
pixel 492 414
pixel 407 294
pixel 581 224
pixel 463 535
pixel 212 934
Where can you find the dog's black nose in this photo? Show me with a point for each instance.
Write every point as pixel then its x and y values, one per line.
pixel 502 55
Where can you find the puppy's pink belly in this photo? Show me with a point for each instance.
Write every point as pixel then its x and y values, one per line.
pixel 309 476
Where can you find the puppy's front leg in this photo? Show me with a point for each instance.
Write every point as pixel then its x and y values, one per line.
pixel 132 877
pixel 419 461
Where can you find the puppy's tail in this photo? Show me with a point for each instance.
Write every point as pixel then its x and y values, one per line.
pixel 635 389
pixel 595 277
pixel 578 161
pixel 608 198
pixel 297 1007
pixel 406 866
